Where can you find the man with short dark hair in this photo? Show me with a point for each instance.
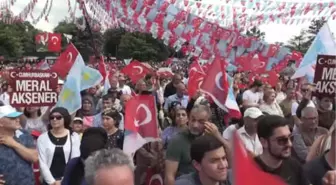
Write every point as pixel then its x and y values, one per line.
pixel 171 87
pixel 209 159
pixel 275 137
pixel 178 161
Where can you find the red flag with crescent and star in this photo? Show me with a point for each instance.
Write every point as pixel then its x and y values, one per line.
pixel 141 124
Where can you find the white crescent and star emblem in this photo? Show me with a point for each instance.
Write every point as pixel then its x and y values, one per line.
pixel 200 81
pixel 156 177
pixel 140 69
pixel 218 81
pixel 54 75
pixel 69 57
pixel 148 116
pixel 43 39
pixel 193 69
pixel 262 64
pixel 274 49
pixel 12 74
pixel 54 40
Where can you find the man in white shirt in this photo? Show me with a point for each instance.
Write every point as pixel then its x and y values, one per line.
pixel 125 89
pixel 248 133
pixel 252 97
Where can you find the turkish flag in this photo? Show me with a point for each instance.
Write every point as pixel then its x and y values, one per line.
pixel 65 61
pixel 215 83
pixel 195 67
pixel 142 116
pixel 194 83
pixel 136 70
pixel 245 170
pixel 54 42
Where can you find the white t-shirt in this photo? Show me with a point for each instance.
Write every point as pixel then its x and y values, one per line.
pixel 251 97
pixel 228 132
pixel 295 106
pixel 126 90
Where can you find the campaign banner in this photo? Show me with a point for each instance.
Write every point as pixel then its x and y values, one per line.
pixel 33 88
pixel 325 76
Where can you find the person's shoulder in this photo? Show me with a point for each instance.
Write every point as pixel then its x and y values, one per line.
pixel 43 137
pixel 313 164
pixel 292 164
pixel 187 179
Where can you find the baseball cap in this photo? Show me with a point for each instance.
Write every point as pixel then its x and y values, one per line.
pixel 78 119
pixel 9 112
pixel 253 113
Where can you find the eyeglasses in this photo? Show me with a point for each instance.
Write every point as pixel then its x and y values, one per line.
pixel 282 141
pixel 55 117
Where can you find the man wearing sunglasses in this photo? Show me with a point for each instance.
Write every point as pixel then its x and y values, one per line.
pixel 276 140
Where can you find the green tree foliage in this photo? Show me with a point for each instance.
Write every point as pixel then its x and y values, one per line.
pixel 255 32
pixel 303 41
pixel 17 39
pixel 298 43
pixel 136 45
pixel 112 38
pixel 82 39
pixel 313 30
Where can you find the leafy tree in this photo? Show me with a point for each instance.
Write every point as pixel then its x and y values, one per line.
pixel 298 43
pixel 112 38
pixel 82 39
pixel 313 30
pixel 136 45
pixel 255 32
pixel 16 39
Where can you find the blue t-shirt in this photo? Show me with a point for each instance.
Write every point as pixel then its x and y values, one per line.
pixel 15 169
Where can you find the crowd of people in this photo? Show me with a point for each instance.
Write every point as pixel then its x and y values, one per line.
pixel 288 132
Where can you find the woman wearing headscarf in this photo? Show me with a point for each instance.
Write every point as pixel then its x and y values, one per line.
pixel 88 112
pixel 93 139
pixel 57 146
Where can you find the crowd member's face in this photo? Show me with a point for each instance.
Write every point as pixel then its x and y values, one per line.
pixel 77 126
pixel 93 90
pixel 250 124
pixel 272 96
pixel 326 103
pixel 114 82
pixel 32 109
pixel 180 89
pixel 87 105
pixel 290 94
pixel 108 122
pixel 197 121
pixel 142 86
pixel 279 144
pixel 107 176
pixel 181 117
pixel 305 89
pixel 260 89
pixel 177 79
pixel 107 103
pixel 56 120
pixel 310 119
pixel 10 124
pixel 214 165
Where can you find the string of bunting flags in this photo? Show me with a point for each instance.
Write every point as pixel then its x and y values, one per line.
pixel 206 40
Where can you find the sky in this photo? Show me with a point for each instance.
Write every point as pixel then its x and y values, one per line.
pixel 274 32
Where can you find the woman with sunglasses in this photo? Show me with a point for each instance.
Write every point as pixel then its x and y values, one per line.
pixel 57 146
